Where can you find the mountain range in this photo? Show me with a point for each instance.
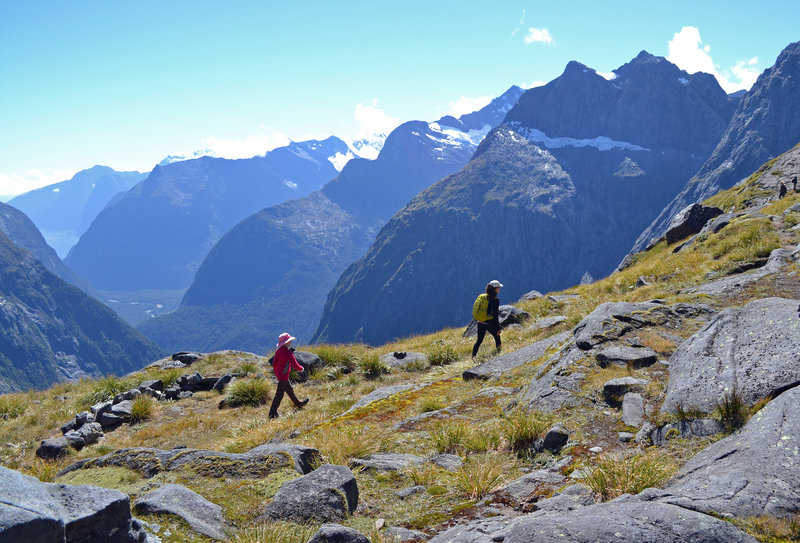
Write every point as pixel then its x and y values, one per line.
pixel 273 270
pixel 63 211
pixel 622 149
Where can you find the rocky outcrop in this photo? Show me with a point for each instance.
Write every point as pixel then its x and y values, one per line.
pixel 507 362
pixel 402 360
pixel 622 520
pixel 754 472
pixel 257 462
pixel 751 350
pixel 380 394
pixel 327 494
pixel 690 220
pixel 34 511
pixel 388 461
pixel 203 516
pixel 336 533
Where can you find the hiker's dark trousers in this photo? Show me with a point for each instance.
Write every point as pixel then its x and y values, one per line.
pixel 484 327
pixel 283 387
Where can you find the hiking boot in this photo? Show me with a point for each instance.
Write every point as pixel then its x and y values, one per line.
pixel 303 403
pixel 273 415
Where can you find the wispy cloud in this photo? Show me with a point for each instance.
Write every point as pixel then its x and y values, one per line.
pixel 466 105
pixel 519 25
pixel 15 184
pixel 247 147
pixel 372 120
pixel 688 52
pixel 539 35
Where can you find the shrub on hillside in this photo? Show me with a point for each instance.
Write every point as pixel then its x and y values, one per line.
pixel 371 365
pixel 253 392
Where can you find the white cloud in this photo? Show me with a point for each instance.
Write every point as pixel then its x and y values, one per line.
pixel 539 35
pixel 521 22
pixel 14 184
pixel 533 84
pixel 372 121
pixel 246 147
pixel 465 105
pixel 688 52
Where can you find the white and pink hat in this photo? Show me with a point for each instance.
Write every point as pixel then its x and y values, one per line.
pixel 283 339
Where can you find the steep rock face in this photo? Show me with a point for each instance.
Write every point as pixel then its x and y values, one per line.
pixel 156 236
pixel 273 271
pixel 626 146
pixel 509 186
pixel 63 211
pixel 21 230
pixel 766 123
pixel 51 331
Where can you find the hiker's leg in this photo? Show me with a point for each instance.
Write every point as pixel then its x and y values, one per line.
pixel 290 393
pixel 497 342
pixel 481 333
pixel 276 401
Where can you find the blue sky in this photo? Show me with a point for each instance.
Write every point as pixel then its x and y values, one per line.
pixel 124 84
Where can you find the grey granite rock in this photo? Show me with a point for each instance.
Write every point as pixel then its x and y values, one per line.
pixel 27 510
pixel 633 409
pixel 380 394
pixel 483 530
pixel 615 389
pixel 396 534
pixel 755 471
pixel 388 461
pixel 753 349
pixel 685 428
pixel 547 322
pixel 690 220
pixel 635 357
pixel 404 493
pixel 778 259
pixel 507 362
pixel 450 462
pixel 555 438
pixel 336 533
pixel 618 521
pixel 521 489
pixel 557 382
pixel 326 494
pixel 403 359
pixel 52 448
pixel 202 515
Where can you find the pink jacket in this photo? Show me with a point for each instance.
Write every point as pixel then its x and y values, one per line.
pixel 284 362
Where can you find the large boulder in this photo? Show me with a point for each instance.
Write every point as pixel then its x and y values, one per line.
pixel 34 511
pixel 403 359
pixel 623 520
pixel 612 320
pixel 202 515
pixel 508 315
pixel 753 472
pixel 327 494
pixel 752 349
pixel 310 362
pixel 690 220
pixel 50 449
pixel 336 533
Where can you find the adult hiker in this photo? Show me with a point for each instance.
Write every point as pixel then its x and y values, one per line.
pixel 283 365
pixel 486 311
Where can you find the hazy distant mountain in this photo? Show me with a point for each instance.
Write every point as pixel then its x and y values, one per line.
pixel 158 233
pixel 51 331
pixel 21 230
pixel 554 195
pixel 63 211
pixel 765 124
pixel 273 270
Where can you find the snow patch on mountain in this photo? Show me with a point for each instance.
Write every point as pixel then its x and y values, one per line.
pixel 452 136
pixel 601 143
pixel 169 159
pixel 340 159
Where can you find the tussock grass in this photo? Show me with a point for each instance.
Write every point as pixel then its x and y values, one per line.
pixel 106 388
pixel 247 368
pixel 442 353
pixel 732 411
pixel 253 392
pixel 371 366
pixel 609 477
pixel 522 429
pixel 424 475
pixel 339 445
pixel 342 356
pixel 449 436
pixel 142 409
pixel 12 406
pixel 480 475
pixel 431 404
pixel 274 532
pixel 771 529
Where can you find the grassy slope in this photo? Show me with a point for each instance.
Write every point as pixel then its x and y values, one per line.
pixel 482 436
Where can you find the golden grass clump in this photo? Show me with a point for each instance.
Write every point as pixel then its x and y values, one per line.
pixel 253 392
pixel 609 477
pixel 142 409
pixel 480 475
pixel 12 406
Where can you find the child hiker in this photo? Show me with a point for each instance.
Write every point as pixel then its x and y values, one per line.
pixel 284 363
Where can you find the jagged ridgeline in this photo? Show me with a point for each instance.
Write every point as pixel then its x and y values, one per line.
pixel 51 331
pixel 554 196
pixel 623 410
pixel 273 271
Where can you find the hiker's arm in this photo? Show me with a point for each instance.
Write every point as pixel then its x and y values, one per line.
pixel 295 364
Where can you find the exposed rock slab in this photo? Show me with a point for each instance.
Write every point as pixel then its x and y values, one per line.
pixel 380 394
pixel 507 362
pixel 620 520
pixel 257 462
pixel 636 357
pixel 755 471
pixel 547 322
pixel 450 462
pixel 202 515
pixel 612 320
pixel 556 383
pixel 484 530
pixel 403 359
pixel 753 349
pixel 327 494
pixel 522 488
pixel 778 259
pixel 389 461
